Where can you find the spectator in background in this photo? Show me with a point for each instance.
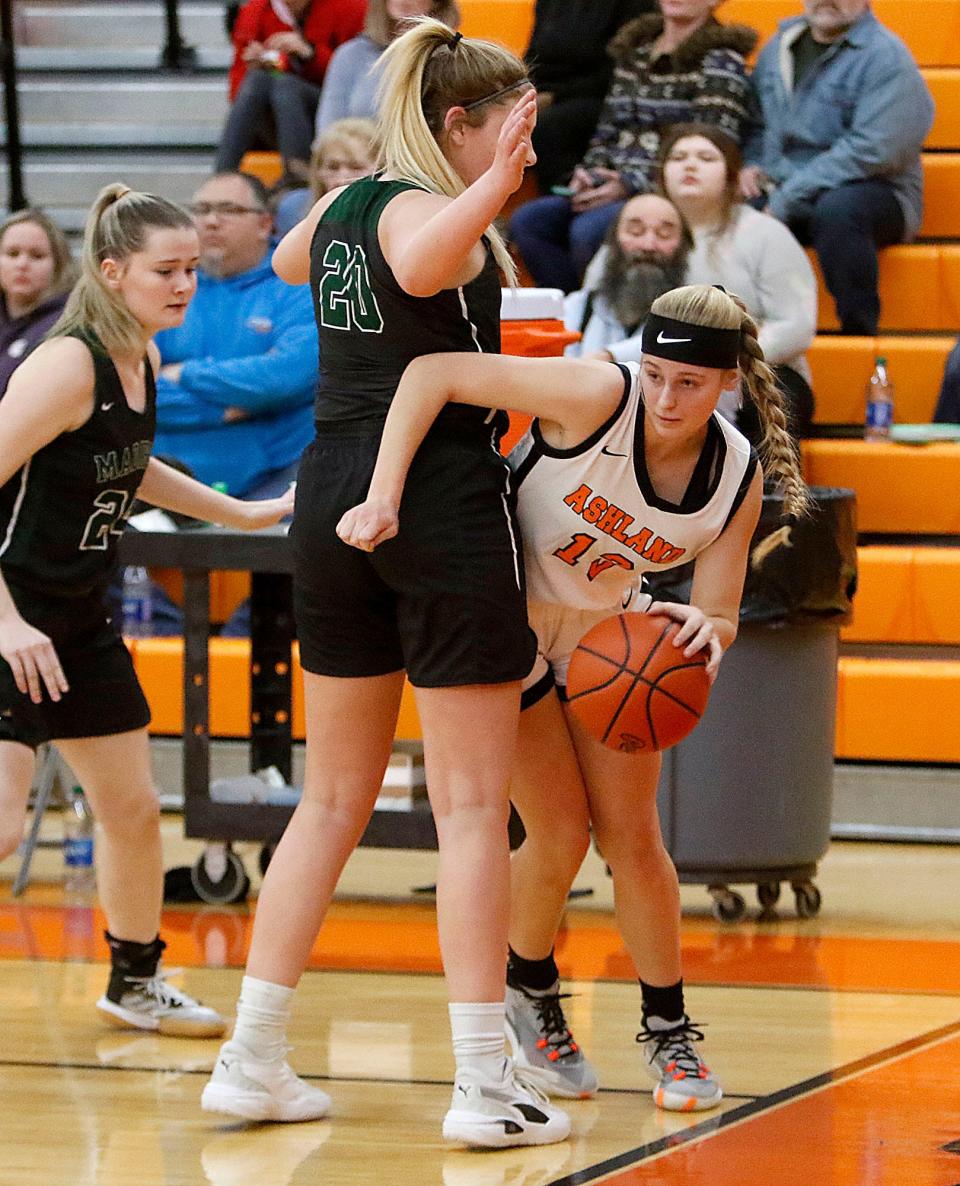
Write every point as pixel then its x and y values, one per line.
pixel 350 84
pixel 341 154
pixel 36 274
pixel 644 257
pixel 236 386
pixel 281 50
pixel 842 114
pixel 948 403
pixel 672 68
pixel 568 64
pixel 751 255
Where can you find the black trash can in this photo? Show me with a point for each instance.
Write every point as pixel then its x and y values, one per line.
pixel 746 797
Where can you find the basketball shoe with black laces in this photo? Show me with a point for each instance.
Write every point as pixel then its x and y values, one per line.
pixel 683 1080
pixel 543 1046
pixel 499 1115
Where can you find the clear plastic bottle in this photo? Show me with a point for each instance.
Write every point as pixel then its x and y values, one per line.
pixel 137 602
pixel 78 828
pixel 879 418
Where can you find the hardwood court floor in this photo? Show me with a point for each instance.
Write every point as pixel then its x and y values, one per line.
pixel 837 1040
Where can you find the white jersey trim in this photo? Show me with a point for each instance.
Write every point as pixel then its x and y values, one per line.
pixel 18 503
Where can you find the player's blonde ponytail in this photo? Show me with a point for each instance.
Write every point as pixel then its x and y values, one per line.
pixel 117 226
pixel 426 71
pixel 702 304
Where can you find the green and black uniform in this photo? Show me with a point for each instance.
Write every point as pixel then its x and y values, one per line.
pixel 445 599
pixel 61 516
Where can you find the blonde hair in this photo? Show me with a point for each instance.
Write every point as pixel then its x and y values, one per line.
pixel 702 304
pixel 356 135
pixel 382 30
pixel 64 269
pixel 427 71
pixel 117 227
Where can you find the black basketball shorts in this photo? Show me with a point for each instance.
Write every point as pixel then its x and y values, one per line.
pixel 105 696
pixel 444 599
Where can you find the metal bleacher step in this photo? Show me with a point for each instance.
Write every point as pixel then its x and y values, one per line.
pixel 52 182
pixel 153 102
pixel 117 23
pixel 55 59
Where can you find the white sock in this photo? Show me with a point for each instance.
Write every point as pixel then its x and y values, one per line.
pixel 262 1015
pixel 478 1038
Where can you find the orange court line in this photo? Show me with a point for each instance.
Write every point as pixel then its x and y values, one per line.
pixel 893 1119
pixel 392 937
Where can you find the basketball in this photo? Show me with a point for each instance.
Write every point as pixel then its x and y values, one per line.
pixel 631 688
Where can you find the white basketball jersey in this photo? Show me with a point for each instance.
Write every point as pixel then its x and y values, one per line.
pixel 591 521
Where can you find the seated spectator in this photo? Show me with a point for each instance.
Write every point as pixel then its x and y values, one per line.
pixel 751 255
pixel 644 257
pixel 675 68
pixel 281 50
pixel 842 114
pixel 36 273
pixel 350 84
pixel 341 154
pixel 569 65
pixel 236 386
pixel 948 403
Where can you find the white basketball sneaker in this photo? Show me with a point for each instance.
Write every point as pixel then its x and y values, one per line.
pixel 500 1115
pixel 244 1086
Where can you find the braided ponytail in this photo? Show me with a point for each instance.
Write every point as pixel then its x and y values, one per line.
pixel 778 453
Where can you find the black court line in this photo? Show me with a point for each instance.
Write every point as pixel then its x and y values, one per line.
pixel 61 1065
pixel 633 1157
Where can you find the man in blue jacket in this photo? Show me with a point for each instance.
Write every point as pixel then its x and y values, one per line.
pixel 236 388
pixel 842 114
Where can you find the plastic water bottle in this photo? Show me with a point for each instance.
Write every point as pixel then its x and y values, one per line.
pixel 137 602
pixel 879 404
pixel 78 844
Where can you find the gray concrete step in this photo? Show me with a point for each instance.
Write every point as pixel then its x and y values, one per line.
pixel 117 24
pixel 55 180
pixel 152 102
pixel 116 135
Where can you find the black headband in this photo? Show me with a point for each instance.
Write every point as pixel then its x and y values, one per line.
pixel 679 341
pixel 504 90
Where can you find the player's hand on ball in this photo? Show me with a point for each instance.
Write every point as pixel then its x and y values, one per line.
pixel 33 660
pixel 696 632
pixel 369 524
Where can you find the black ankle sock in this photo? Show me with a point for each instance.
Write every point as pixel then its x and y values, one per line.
pixel 536 974
pixel 665 1003
pixel 130 958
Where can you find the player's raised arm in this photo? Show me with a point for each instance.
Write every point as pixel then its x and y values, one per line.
pixel 572 397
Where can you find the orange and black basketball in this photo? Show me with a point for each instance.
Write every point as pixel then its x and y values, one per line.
pixel 631 688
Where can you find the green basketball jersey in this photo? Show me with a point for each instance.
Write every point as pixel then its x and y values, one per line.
pixel 369 328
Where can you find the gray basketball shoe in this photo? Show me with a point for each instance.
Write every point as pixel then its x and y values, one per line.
pixel 683 1080
pixel 543 1047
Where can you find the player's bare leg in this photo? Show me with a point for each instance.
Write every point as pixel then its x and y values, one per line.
pixel 114 772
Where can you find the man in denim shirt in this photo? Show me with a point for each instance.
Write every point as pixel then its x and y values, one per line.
pixel 842 112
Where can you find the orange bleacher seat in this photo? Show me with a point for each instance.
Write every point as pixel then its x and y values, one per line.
pixel 509 22
pixel 900 488
pixel 906 595
pixel 931 28
pixel 917 285
pixel 266 165
pixel 941 211
pixel 898 710
pixel 842 365
pixel 944 84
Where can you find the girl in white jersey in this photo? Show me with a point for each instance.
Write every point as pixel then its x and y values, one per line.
pixel 625 471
